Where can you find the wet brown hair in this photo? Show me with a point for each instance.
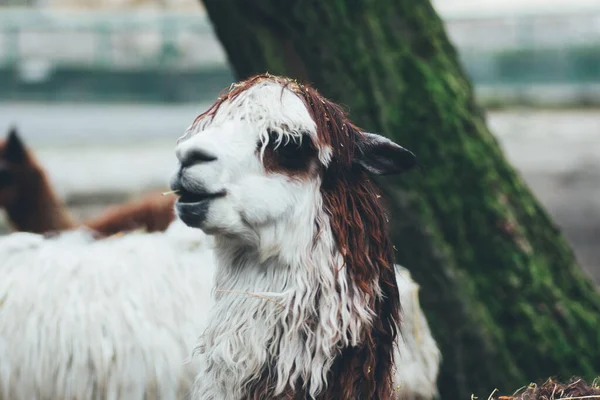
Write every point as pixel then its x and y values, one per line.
pixel 358 222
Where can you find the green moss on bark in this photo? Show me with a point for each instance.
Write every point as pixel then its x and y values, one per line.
pixel 504 295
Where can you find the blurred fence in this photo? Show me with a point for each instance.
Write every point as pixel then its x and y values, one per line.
pixel 91 55
pixel 549 56
pixel 139 40
pixel 78 55
pixel 546 47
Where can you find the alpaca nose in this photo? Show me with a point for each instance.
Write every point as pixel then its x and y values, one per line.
pixel 196 156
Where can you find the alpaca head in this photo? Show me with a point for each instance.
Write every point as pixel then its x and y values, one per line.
pixel 17 169
pixel 282 179
pixel 261 157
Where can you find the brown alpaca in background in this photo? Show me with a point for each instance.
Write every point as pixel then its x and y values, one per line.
pixel 32 205
pixel 25 191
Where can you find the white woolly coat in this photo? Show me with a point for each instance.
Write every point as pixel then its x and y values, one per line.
pixel 119 318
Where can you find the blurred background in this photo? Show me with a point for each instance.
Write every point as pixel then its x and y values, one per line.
pixel 101 89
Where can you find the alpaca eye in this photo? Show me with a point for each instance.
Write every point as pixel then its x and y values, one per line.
pixel 289 149
pixel 290 154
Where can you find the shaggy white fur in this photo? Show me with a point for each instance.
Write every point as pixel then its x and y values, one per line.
pixel 418 357
pixel 118 318
pixel 109 319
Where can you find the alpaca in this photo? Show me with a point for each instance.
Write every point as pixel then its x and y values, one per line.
pixel 26 193
pixel 32 205
pixel 308 304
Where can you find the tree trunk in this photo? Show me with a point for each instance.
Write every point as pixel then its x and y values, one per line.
pixel 504 296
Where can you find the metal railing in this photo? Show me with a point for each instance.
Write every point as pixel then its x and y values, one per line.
pixel 500 48
pixel 184 40
pixel 108 39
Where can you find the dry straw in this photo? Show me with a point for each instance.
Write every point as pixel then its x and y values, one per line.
pixel 259 296
pixel 575 389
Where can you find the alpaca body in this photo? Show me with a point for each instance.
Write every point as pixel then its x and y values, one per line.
pixel 119 318
pixel 290 324
pixel 112 319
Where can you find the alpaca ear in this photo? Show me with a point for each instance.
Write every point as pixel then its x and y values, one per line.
pixel 15 149
pixel 380 156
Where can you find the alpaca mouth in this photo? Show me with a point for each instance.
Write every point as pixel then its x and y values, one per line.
pixel 187 197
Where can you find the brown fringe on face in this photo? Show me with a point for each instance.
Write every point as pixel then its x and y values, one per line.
pixel 358 223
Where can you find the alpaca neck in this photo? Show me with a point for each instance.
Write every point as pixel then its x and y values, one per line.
pixel 280 322
pixel 39 210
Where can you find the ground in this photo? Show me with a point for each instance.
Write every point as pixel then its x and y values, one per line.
pixel 101 154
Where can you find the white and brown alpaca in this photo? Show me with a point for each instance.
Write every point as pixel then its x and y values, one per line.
pixel 32 205
pixel 282 179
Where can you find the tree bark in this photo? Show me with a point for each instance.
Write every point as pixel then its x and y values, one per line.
pixel 503 293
